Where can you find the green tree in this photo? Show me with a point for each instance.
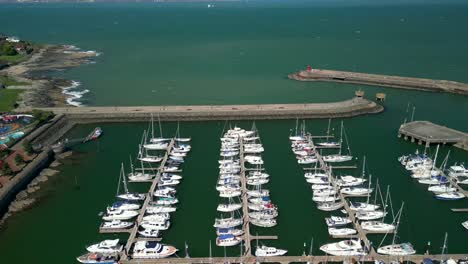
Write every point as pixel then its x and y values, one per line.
pixel 8 49
pixel 27 146
pixel 42 116
pixel 6 169
pixel 18 159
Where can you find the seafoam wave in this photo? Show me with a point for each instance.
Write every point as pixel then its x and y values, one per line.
pixel 73 95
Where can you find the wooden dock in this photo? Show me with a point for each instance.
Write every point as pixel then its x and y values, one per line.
pixel 98 114
pixel 381 80
pixel 149 197
pixel 425 132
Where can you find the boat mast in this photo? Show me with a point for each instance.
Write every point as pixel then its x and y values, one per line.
pixel 385 203
pixel 123 179
pixel 152 126
pixel 160 127
pixel 435 158
pixel 341 138
pixel 297 123
pixel 328 129
pixel 444 247
pixel 397 224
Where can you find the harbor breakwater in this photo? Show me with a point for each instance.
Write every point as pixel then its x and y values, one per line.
pixel 381 80
pixel 348 108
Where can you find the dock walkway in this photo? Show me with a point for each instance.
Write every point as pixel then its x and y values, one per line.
pixel 425 132
pixel 149 197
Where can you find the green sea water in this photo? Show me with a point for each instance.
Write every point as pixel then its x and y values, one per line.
pixel 241 53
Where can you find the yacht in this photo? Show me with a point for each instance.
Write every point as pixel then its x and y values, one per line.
pixel 349 181
pixel 265 251
pixel 228 222
pixel 132 196
pixel 230 231
pixel 330 206
pixel 265 214
pixel 434 180
pixel 228 188
pixel 229 194
pixel 344 248
pixel 157 217
pixel 106 247
pixel 263 222
pixel 125 206
pixel 168 182
pixel 149 233
pixel 370 215
pixel 156 146
pixel 152 250
pixel 261 206
pixel 97 258
pixel 306 160
pixel 336 232
pixel 171 176
pixel 377 226
pixel 315 174
pixel 359 206
pixel 117 214
pixel 256 182
pixel 337 158
pixel 351 191
pixel 165 201
pixel 320 180
pixel 227 240
pixel 324 192
pixel 325 199
pixel 258 193
pixel 164 193
pixel 441 189
pixel 229 207
pixel 329 144
pixel 260 200
pixel 156 225
pixel 450 196
pixel 157 209
pixel 140 177
pixel 116 224
pixel 402 249
pixel 457 171
pixel 335 221
pixel 320 186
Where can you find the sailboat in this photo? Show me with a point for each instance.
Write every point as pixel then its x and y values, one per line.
pixel 297 136
pixel 140 176
pixel 181 139
pixel 143 154
pixel 338 157
pixel 127 195
pixel 158 143
pixel 402 249
pixel 328 143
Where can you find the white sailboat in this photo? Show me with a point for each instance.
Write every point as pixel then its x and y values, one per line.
pixel 127 195
pixel 328 143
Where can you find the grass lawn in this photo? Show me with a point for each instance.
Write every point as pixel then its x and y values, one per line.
pixel 13 59
pixel 8 98
pixel 7 81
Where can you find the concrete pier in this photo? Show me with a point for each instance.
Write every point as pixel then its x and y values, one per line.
pixel 430 133
pixel 348 108
pixel 381 80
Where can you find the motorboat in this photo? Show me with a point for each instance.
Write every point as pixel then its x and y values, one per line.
pixel 155 225
pixel 260 200
pixel 228 240
pixel 265 214
pixel 370 215
pixel 227 222
pixel 229 207
pixel 306 160
pixel 265 251
pixel 164 193
pixel 230 231
pixel 229 161
pixel 149 233
pixel 157 209
pixel 402 249
pixel 434 180
pixel 110 246
pixel 377 226
pixel 235 180
pixel 336 232
pixel 349 181
pixel 125 206
pixel 117 214
pixel 171 176
pixel 360 206
pixel 315 174
pixel 337 158
pixel 165 201
pixel 116 224
pixel 168 182
pixel 263 222
pixel 228 188
pixel 330 206
pixel 450 196
pixel 170 169
pixel 441 188
pixel 152 250
pixel 97 258
pixel 335 221
pixel 350 247
pixel 320 186
pixel 356 191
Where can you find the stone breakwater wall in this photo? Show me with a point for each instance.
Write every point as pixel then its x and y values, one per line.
pixel 348 108
pixel 409 83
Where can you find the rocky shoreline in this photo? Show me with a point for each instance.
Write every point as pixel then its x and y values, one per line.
pixel 44 90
